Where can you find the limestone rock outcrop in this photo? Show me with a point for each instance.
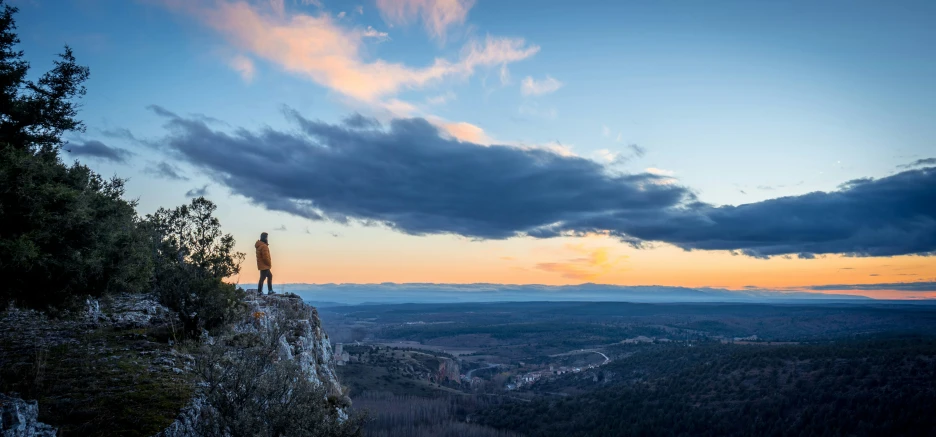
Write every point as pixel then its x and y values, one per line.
pixel 19 418
pixel 304 341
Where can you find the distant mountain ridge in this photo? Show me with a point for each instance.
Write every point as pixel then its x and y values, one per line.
pixel 353 294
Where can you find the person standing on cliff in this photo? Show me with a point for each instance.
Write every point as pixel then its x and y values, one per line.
pixel 264 263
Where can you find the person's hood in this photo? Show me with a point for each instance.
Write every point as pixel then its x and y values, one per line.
pixel 258 243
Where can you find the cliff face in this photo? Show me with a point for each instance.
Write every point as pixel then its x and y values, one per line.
pixel 297 331
pixel 304 341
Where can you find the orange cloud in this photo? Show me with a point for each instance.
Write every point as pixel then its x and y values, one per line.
pixel 329 54
pixel 466 132
pixel 596 263
pixel 437 15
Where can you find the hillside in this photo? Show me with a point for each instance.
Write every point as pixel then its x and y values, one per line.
pixel 864 386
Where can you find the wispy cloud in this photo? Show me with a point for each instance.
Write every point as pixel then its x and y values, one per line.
pixel 244 66
pixel 370 32
pixel 278 6
pixel 533 87
pixel 165 170
pixel 318 48
pixel 504 75
pixel 919 163
pixel 441 99
pixel 659 171
pixel 98 150
pixel 900 286
pixel 437 15
pixel 614 157
pixel 120 132
pixel 534 109
pixel 281 228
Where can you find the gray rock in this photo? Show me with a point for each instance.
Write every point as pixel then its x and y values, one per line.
pixel 186 425
pixel 127 311
pixel 19 418
pixel 306 343
pixel 93 311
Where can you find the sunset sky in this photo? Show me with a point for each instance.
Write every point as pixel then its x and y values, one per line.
pixel 718 143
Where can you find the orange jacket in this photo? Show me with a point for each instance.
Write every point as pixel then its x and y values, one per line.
pixel 263 256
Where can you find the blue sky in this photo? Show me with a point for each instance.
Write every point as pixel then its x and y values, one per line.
pixel 738 101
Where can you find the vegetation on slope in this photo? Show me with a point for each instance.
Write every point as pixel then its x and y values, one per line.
pixel 859 387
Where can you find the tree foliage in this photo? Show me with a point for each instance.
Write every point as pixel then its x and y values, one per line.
pixel 192 258
pixel 35 114
pixel 67 232
pixel 881 386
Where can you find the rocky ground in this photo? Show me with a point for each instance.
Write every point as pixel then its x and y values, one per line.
pixel 121 368
pixel 108 371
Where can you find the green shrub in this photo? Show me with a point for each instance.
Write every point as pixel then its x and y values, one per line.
pixel 192 259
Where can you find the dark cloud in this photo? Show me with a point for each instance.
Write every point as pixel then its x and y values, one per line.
pixel 895 215
pixel 411 178
pixel 898 286
pixel 197 192
pixel 919 163
pixel 97 149
pixel 166 170
pixel 125 134
pixel 359 121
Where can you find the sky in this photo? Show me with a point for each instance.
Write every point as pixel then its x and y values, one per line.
pixel 705 144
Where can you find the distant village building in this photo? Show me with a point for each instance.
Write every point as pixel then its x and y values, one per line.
pixel 341 357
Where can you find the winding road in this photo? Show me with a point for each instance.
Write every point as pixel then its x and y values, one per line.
pixel 585 351
pixel 489 366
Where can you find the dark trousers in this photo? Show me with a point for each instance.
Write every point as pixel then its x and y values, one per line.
pixel 265 274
